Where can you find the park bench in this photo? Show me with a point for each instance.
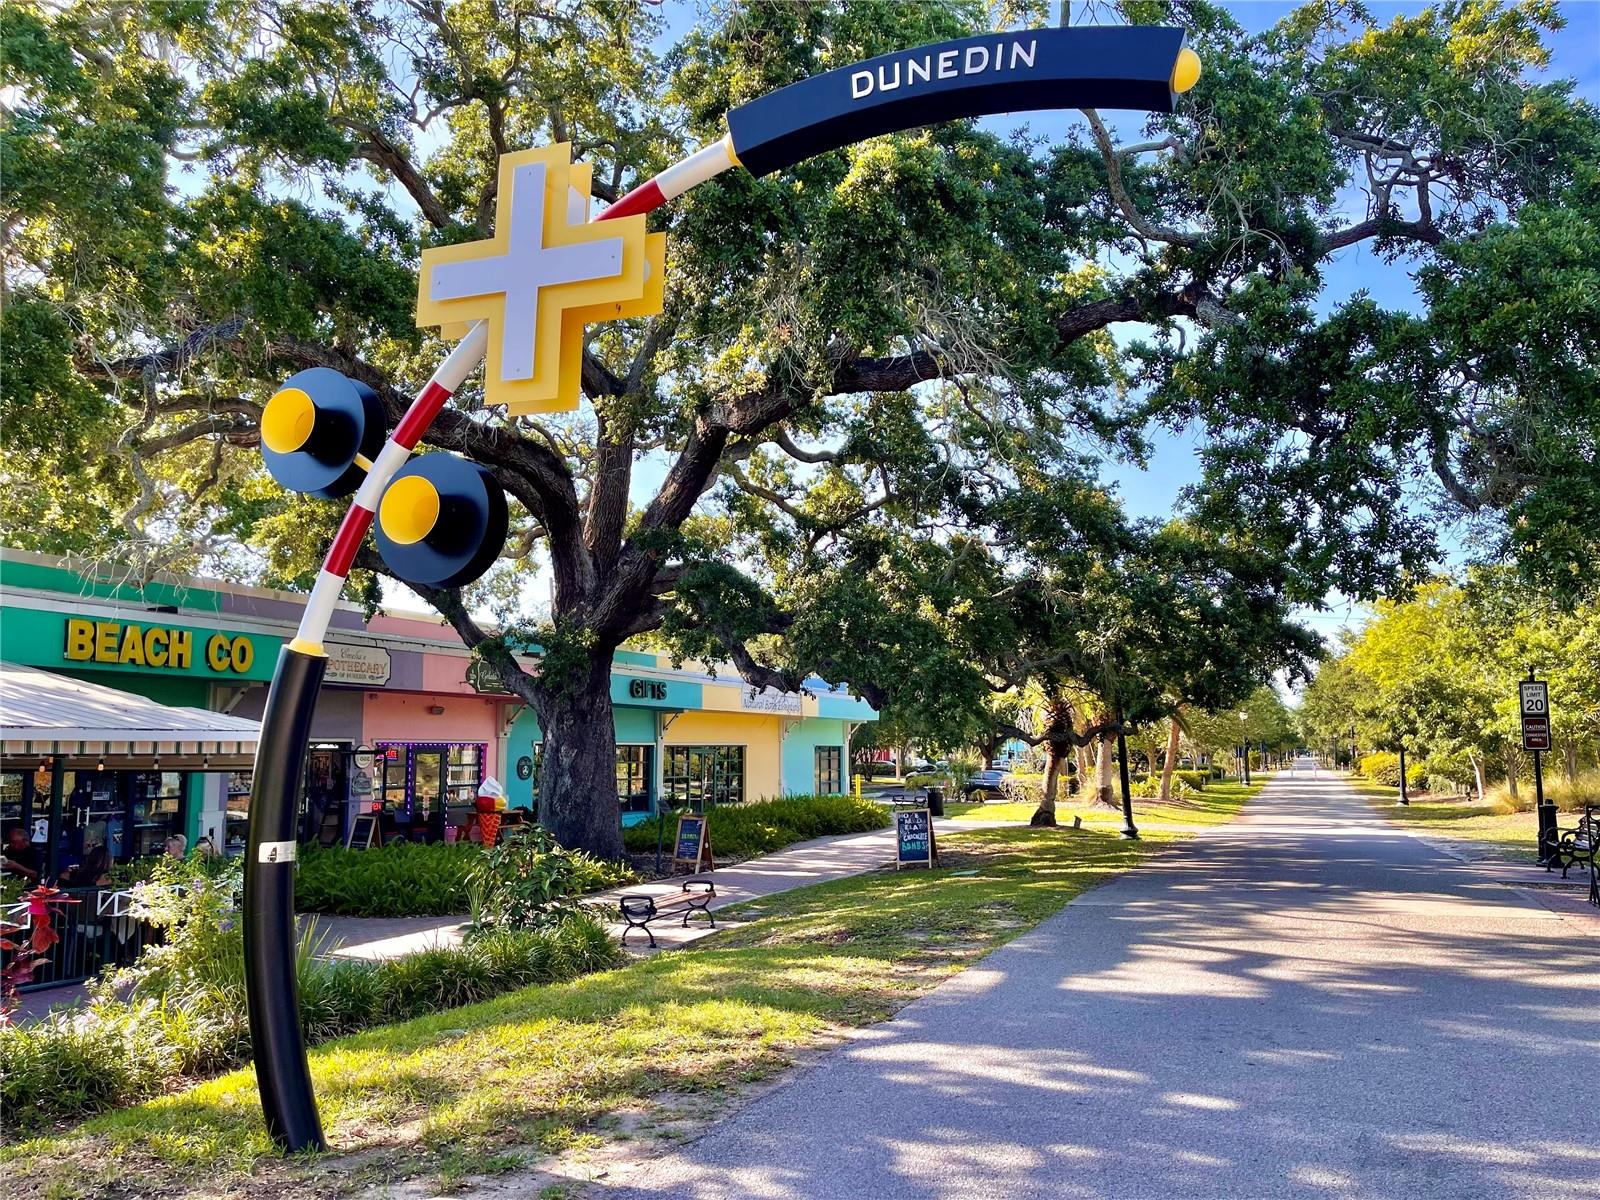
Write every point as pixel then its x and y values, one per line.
pixel 639 910
pixel 1577 845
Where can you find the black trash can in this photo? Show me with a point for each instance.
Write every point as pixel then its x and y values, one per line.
pixel 936 801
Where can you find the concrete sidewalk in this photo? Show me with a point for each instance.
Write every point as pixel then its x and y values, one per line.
pixel 820 860
pixel 1305 1004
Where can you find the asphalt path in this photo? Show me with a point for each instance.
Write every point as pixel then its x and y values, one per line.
pixel 1304 1003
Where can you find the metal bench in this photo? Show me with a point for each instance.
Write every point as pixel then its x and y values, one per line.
pixel 1577 845
pixel 695 897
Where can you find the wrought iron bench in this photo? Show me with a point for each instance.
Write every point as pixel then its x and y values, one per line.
pixel 1577 845
pixel 695 897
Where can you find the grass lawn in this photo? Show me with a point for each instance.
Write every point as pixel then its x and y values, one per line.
pixel 1482 831
pixel 489 1087
pixel 1216 804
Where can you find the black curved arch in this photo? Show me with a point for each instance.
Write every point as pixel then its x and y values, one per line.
pixel 1121 66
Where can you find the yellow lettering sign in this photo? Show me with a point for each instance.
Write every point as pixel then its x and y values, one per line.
pixel 80 639
pixel 155 647
pixel 132 646
pixel 140 646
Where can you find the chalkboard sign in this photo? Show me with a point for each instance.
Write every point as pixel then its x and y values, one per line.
pixel 694 843
pixel 362 831
pixel 913 838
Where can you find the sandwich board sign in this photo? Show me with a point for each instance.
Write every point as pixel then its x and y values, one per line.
pixel 1534 695
pixel 913 838
pixel 362 831
pixel 693 844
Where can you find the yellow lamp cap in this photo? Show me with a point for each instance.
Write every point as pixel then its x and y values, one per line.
pixel 409 510
pixel 1186 71
pixel 287 419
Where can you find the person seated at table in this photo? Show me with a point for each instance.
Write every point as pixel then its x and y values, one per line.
pixel 20 856
pixel 92 870
pixel 204 847
pixel 177 846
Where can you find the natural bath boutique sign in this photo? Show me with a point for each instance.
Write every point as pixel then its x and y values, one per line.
pixel 521 299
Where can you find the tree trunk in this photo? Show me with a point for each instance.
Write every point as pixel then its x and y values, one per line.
pixel 1170 762
pixel 1477 772
pixel 1085 760
pixel 1055 763
pixel 1511 774
pixel 1570 760
pixel 578 778
pixel 1102 785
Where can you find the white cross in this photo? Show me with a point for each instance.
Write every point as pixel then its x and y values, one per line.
pixel 526 266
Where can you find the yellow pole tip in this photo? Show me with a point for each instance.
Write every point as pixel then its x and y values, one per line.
pixel 409 510
pixel 1186 71
pixel 286 420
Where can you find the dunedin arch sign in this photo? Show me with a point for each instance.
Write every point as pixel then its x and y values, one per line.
pixel 1129 66
pixel 521 300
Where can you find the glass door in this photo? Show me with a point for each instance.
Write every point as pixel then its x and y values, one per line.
pixel 427 791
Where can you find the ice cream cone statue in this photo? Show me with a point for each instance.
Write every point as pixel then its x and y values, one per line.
pixel 490 804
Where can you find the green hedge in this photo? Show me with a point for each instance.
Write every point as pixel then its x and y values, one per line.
pixel 745 830
pixel 410 879
pixel 407 879
pixel 119 1052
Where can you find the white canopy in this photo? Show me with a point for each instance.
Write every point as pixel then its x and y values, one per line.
pixel 42 713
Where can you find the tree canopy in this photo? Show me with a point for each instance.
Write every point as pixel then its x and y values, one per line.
pixel 875 372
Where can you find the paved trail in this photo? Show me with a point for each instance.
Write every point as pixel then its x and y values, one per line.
pixel 1304 1003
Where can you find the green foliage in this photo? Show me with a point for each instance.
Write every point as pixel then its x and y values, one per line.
pixel 526 881
pixel 407 879
pixel 742 831
pixel 186 1016
pixel 1438 673
pixel 1384 768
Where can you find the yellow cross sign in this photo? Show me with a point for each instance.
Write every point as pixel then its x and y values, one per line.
pixel 545 274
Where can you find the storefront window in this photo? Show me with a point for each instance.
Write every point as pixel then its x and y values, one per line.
pixel 696 775
pixel 829 778
pixel 422 786
pixel 633 778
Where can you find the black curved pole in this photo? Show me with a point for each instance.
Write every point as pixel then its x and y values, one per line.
pixel 283 1075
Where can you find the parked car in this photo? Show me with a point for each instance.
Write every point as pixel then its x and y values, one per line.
pixel 985 785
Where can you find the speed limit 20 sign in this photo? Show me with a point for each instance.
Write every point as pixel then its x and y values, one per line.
pixel 1535 701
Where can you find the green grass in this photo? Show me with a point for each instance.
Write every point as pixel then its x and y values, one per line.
pixel 1482 830
pixel 536 1070
pixel 1217 804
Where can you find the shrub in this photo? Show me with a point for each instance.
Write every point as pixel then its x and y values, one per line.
pixel 407 879
pixel 745 830
pixel 1572 795
pixel 1150 786
pixel 117 1052
pixel 527 881
pixel 65 1065
pixel 1384 768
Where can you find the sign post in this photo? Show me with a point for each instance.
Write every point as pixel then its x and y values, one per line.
pixel 1533 697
